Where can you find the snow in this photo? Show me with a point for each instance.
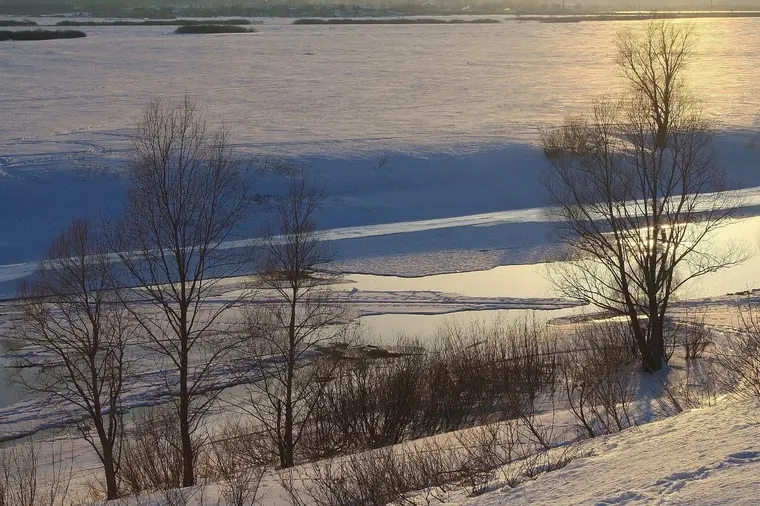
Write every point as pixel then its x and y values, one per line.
pixel 702 457
pixel 427 303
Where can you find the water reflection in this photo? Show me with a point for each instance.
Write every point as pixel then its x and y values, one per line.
pixel 533 281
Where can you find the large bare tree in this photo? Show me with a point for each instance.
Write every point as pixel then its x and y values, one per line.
pixel 299 318
pixel 639 191
pixel 186 195
pixel 79 333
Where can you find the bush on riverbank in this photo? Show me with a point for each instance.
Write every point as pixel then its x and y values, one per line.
pixel 211 28
pixel 14 22
pixel 157 22
pixel 40 34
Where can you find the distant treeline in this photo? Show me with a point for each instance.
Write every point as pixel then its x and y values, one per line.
pixel 40 34
pixel 171 9
pixel 155 22
pixel 211 28
pixel 638 17
pixel 390 21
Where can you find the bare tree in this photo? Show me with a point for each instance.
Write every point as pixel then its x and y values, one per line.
pixel 288 331
pixel 639 192
pixel 185 197
pixel 79 332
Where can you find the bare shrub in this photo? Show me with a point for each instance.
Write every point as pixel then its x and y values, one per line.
pixel 598 378
pixel 242 487
pixel 568 139
pixel 739 356
pixel 425 471
pixel 473 375
pixel 481 373
pixel 290 481
pixel 509 453
pixel 553 460
pixel 694 338
pixel 373 403
pixel 152 454
pixel 238 463
pixel 22 482
pixel 384 476
pixel 239 444
pixel 179 496
pixel 487 449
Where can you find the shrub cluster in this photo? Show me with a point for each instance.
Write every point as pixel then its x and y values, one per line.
pixel 152 456
pixel 214 28
pixel 40 34
pixel 424 471
pixel 472 376
pixel 156 22
pixel 35 474
pixel 739 356
pixel 15 22
pixel 598 370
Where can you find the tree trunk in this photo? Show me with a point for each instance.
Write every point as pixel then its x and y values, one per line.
pixel 656 345
pixel 288 443
pixel 288 446
pixel 280 433
pixel 649 361
pixel 106 446
pixel 188 473
pixel 112 489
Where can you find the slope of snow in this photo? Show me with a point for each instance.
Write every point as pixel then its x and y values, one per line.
pixel 705 457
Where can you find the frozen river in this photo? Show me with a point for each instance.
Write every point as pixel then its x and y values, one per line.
pixel 453 109
pixel 340 89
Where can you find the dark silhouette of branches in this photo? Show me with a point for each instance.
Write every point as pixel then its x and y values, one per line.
pixel 186 195
pixel 79 331
pixel 638 191
pixel 287 334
